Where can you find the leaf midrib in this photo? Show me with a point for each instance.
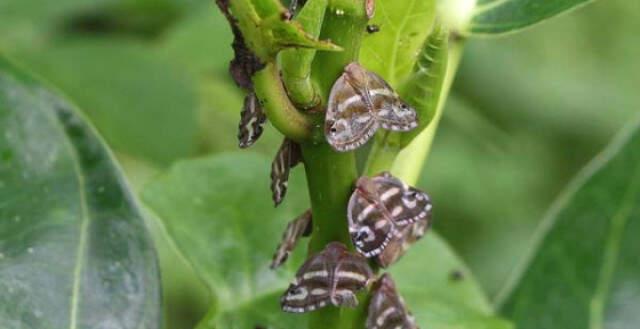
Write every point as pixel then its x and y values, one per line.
pixel 74 303
pixel 394 54
pixel 612 252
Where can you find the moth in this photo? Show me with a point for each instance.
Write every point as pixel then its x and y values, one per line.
pixel 380 208
pixel 297 228
pixel 252 118
pixel 387 309
pixel 331 277
pixel 359 103
pixel 401 241
pixel 288 156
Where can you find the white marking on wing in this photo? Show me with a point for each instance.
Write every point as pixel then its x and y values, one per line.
pixel 352 275
pixel 318 291
pixel 397 210
pixel 385 314
pixel 389 193
pixel 311 275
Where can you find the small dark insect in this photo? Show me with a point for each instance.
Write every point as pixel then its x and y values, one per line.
pixel 456 275
pixel 373 28
pixel 387 309
pixel 297 228
pixel 332 276
pixel 252 118
pixel 288 156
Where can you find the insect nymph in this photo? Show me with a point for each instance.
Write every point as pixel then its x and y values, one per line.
pixel 332 276
pixel 252 118
pixel 360 102
pixel 288 156
pixel 297 228
pixel 380 208
pixel 387 309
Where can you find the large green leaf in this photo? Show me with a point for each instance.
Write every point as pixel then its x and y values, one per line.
pixel 585 272
pixel 142 104
pixel 74 252
pixel 500 16
pixel 440 290
pixel 404 26
pixel 219 213
pixel 202 42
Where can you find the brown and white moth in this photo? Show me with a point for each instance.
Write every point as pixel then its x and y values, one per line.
pixel 379 208
pixel 387 309
pixel 359 103
pixel 252 118
pixel 288 156
pixel 332 276
pixel 401 241
pixel 297 228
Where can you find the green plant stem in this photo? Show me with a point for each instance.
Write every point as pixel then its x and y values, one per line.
pixel 330 174
pixel 296 63
pixel 383 153
pixel 280 111
pixel 411 159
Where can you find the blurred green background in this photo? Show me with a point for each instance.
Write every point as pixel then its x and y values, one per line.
pixel 526 111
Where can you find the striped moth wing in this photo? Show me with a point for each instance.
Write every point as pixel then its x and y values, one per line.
pixel 379 209
pixel 387 309
pixel 297 228
pixel 332 276
pixel 360 101
pixel 288 156
pixel 349 122
pixel 401 241
pixel 252 118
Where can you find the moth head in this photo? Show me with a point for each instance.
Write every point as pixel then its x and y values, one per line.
pixel 295 293
pixel 365 185
pixel 356 75
pixel 404 110
pixel 362 235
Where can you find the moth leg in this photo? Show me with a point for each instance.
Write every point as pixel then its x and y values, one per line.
pixel 344 297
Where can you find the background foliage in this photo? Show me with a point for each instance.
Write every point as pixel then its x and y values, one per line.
pixel 525 113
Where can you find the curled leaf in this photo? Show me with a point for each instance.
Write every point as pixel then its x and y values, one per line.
pixel 423 87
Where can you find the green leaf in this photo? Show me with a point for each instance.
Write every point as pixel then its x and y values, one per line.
pixel 266 29
pixel 296 64
pixel 423 89
pixel 584 271
pixel 404 26
pixel 501 16
pixel 141 103
pixel 74 251
pixel 440 290
pixel 201 42
pixel 218 212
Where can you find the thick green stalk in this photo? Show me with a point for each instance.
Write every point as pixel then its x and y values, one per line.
pixel 280 111
pixel 330 174
pixel 296 63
